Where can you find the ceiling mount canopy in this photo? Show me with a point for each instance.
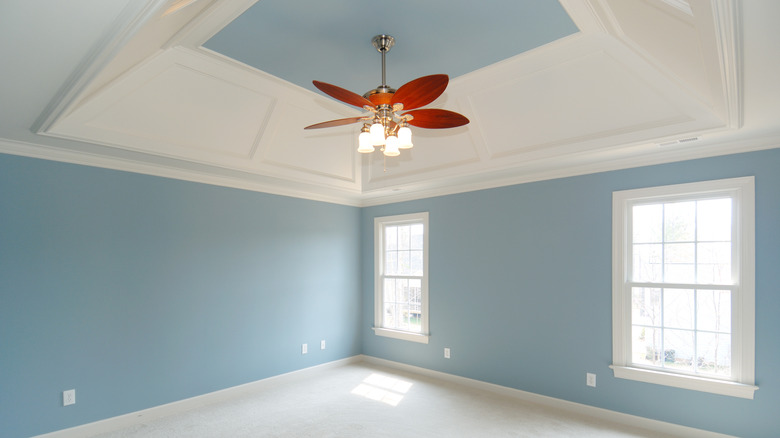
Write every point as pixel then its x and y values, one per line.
pixel 392 111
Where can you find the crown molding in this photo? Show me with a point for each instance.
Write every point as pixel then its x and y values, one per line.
pixel 226 178
pixel 513 176
pixel 209 23
pixel 728 33
pixel 585 16
pixel 126 25
pixel 440 187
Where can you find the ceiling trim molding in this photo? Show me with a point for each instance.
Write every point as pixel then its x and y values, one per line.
pixel 515 176
pixel 209 23
pixel 584 15
pixel 253 182
pixel 728 34
pixel 429 189
pixel 126 25
pixel 727 29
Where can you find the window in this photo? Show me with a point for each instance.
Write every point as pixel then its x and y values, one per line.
pixel 401 270
pixel 683 286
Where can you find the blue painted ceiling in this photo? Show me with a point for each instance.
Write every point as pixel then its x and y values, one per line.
pixel 330 41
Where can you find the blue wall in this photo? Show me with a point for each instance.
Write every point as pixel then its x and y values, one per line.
pixel 139 291
pixel 520 290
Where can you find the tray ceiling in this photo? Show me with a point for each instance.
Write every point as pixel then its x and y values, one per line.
pixel 219 91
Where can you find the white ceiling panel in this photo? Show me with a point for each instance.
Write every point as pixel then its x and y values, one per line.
pixel 547 94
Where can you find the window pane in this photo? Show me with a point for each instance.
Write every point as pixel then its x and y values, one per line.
pixel 391 238
pixel 679 349
pixel 389 290
pixel 415 291
pixel 647 263
pixel 646 306
pixel 680 222
pixel 416 263
pixel 646 346
pixel 402 290
pixel 713 263
pixel 717 252
pixel 404 263
pixel 403 304
pixel 714 220
pixel 391 262
pixel 417 236
pixel 679 308
pixel 403 312
pixel 647 221
pixel 679 263
pixel 714 353
pixel 404 236
pixel 390 319
pixel 713 310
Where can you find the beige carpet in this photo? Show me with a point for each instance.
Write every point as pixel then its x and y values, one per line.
pixel 364 400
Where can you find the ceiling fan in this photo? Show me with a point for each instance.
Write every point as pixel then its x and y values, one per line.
pixel 392 111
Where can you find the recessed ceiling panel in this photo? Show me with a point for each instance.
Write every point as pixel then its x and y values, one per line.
pixel 185 107
pixel 326 152
pixel 330 41
pixel 593 96
pixel 670 36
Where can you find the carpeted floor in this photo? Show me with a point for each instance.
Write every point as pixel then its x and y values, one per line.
pixel 364 400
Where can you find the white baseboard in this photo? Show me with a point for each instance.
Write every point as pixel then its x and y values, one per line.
pixel 577 408
pixel 146 415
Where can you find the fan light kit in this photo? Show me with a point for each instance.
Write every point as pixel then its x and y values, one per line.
pixel 386 127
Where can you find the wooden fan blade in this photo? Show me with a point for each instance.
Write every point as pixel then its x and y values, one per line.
pixel 436 118
pixel 337 122
pixel 421 91
pixel 343 95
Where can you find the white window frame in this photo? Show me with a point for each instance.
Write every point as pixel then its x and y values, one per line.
pixel 379 276
pixel 742 192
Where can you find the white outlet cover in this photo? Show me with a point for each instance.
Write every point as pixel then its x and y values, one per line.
pixel 446 353
pixel 304 349
pixel 69 397
pixel 590 379
pixel 322 344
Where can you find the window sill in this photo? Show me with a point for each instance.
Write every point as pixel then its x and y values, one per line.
pixel 405 336
pixel 722 387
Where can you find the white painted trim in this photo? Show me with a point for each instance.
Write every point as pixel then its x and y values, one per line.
pixel 379 224
pixel 522 175
pixel 410 192
pixel 742 191
pixel 722 387
pixel 133 17
pixel 584 16
pixel 728 33
pixel 146 415
pixel 209 23
pixel 577 408
pixel 404 336
pixel 236 180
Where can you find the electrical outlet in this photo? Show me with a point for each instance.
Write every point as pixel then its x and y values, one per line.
pixel 68 397
pixel 322 344
pixel 304 348
pixel 446 352
pixel 590 379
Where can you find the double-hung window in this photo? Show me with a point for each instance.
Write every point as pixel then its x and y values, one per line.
pixel 401 277
pixel 683 286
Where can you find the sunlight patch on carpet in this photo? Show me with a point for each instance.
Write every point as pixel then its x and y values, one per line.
pixel 388 390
